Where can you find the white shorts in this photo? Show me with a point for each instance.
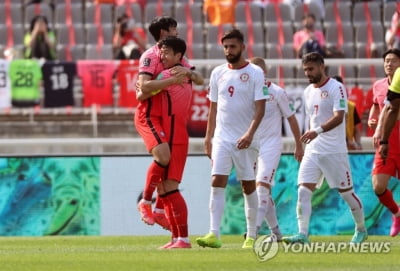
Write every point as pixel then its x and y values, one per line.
pixel 334 167
pixel 225 155
pixel 268 161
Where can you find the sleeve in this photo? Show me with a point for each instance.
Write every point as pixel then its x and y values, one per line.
pixel 395 84
pixel 213 88
pixel 260 89
pixel 283 103
pixel 339 98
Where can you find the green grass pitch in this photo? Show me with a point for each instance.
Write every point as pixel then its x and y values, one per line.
pixel 141 253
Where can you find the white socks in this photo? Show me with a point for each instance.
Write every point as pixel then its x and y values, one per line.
pixel 266 209
pixel 303 209
pixel 217 204
pixel 356 207
pixel 250 209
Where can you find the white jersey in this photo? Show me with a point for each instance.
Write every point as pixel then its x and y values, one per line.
pixel 277 107
pixel 320 103
pixel 235 92
pixel 5 87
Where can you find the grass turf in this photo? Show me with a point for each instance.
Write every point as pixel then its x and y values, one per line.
pixel 141 253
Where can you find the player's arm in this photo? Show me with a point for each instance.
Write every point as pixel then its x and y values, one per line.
pixel 373 116
pixel 193 75
pixel 247 138
pixel 294 127
pixel 336 119
pixel 211 122
pixel 146 87
pixel 389 118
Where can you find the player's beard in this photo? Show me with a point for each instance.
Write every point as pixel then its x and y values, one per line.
pixel 232 59
pixel 315 79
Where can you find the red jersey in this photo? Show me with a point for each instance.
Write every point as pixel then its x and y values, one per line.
pixel 380 89
pixel 97 85
pixel 127 76
pixel 176 107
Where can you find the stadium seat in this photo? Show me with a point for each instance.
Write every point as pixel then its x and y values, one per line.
pixel 214 33
pixel 70 53
pixel 99 34
pixel 276 35
pixel 369 73
pixel 342 70
pixel 99 52
pixel 96 14
pixel 38 9
pixel 153 10
pixel 369 38
pixel 253 32
pixel 300 9
pixel 339 37
pixel 186 13
pixel 284 51
pixel 194 37
pixel 388 10
pixel 12 36
pixel 10 14
pixel 367 12
pixel 133 10
pixel 65 14
pixel 273 13
pixel 73 34
pixel 337 11
pixel 248 12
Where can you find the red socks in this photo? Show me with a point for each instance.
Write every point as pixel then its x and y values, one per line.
pixel 386 198
pixel 155 174
pixel 177 213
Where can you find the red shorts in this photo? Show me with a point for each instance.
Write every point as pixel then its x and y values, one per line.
pixel 177 163
pixel 150 124
pixel 389 166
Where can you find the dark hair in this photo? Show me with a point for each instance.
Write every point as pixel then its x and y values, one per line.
pixel 309 15
pixel 234 33
pixel 312 57
pixel 161 23
pixel 391 51
pixel 35 19
pixel 176 44
pixel 123 17
pixel 338 78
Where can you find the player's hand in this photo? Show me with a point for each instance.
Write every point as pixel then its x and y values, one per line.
pixel 372 123
pixel 383 150
pixel 244 142
pixel 298 153
pixel 308 136
pixel 376 138
pixel 208 147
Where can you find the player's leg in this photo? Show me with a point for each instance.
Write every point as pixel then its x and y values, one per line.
pixel 381 174
pixel 174 203
pixel 267 165
pixel 336 169
pixel 155 139
pixel 221 167
pixel 309 176
pixel 245 162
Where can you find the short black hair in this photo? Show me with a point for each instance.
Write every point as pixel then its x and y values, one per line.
pixel 391 51
pixel 338 78
pixel 312 57
pixel 176 44
pixel 161 23
pixel 309 15
pixel 234 33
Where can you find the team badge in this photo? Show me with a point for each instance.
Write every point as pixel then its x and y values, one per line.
pixel 270 98
pixel 244 77
pixel 342 103
pixel 146 62
pixel 324 94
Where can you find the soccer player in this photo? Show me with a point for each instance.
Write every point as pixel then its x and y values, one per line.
pixel 326 151
pixel 237 96
pixel 276 107
pixel 148 116
pixel 176 101
pixel 383 169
